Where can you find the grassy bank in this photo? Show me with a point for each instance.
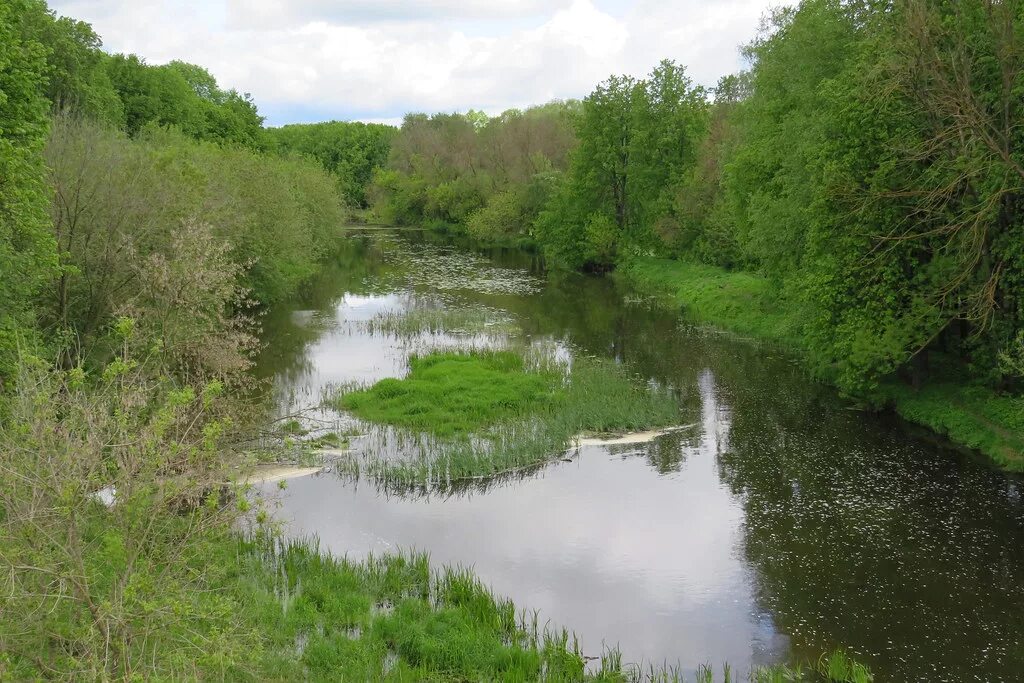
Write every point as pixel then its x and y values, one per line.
pixel 479 414
pixel 740 302
pixel 970 416
pixel 391 618
pixel 310 616
pixel 396 618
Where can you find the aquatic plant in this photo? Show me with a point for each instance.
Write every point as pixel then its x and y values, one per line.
pixel 475 415
pixel 455 393
pixel 437 320
pixel 397 618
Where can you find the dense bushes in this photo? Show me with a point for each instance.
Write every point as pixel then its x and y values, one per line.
pixel 111 507
pixel 27 257
pixel 873 174
pixel 350 151
pixel 488 175
pixel 242 227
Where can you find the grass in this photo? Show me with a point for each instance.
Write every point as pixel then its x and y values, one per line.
pixel 746 304
pixel 391 618
pixel 455 393
pixel 971 416
pixel 271 610
pixel 737 301
pixel 481 414
pixel 396 618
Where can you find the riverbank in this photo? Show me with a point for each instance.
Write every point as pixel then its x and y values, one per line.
pixel 970 416
pixel 305 615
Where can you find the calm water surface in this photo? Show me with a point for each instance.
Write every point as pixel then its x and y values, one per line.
pixel 782 525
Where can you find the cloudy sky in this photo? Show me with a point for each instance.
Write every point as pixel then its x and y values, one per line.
pixel 373 60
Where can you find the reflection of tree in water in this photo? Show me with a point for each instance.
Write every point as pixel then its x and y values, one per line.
pixel 666 454
pixel 859 537
pixel 355 267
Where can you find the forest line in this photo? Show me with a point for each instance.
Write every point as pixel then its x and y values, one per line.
pixel 866 170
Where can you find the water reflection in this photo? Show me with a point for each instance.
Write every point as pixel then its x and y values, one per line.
pixel 785 525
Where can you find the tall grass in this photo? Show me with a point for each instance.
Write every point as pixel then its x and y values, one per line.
pixel 397 618
pixel 455 393
pixel 740 302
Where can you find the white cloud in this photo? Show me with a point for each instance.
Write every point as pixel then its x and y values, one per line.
pixel 376 59
pixel 278 14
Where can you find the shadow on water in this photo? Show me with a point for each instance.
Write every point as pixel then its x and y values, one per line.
pixel 785 525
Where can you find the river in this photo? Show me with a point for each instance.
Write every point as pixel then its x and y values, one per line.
pixel 782 525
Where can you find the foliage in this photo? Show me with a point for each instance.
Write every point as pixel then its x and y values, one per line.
pixel 869 166
pixel 76 77
pixel 112 494
pixel 503 219
pixel 350 151
pixel 636 140
pixel 185 96
pixel 27 257
pixel 181 235
pixel 450 168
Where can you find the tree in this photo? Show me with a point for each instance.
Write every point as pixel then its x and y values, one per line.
pixel 636 140
pixel 76 78
pixel 27 254
pixel 670 120
pixel 350 151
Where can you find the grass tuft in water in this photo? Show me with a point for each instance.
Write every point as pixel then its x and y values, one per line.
pixel 455 393
pixel 487 413
pixel 312 616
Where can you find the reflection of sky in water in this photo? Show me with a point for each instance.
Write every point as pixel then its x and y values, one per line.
pixel 345 352
pixel 604 545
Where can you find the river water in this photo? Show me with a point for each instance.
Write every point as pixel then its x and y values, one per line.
pixel 782 525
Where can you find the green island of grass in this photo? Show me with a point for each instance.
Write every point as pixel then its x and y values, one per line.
pixel 488 413
pixel 456 393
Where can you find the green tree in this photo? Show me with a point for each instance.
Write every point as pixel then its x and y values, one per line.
pixel 351 151
pixel 77 80
pixel 27 253
pixel 637 139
